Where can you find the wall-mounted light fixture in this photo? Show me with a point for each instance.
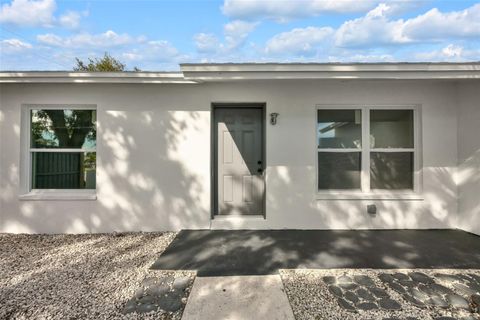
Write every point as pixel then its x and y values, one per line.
pixel 273 118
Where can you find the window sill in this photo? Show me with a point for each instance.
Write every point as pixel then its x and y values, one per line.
pixel 370 196
pixel 60 195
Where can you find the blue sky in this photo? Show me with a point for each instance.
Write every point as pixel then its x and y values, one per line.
pixel 158 35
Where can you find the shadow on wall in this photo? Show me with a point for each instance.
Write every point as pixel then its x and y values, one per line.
pixel 151 180
pixel 249 252
pixel 147 178
pixel 9 172
pixel 434 210
pixel 468 193
pixel 153 167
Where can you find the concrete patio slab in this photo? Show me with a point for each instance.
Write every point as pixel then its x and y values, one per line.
pixel 261 252
pixel 238 298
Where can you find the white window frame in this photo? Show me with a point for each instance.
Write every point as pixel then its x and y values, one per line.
pixel 365 191
pixel 26 190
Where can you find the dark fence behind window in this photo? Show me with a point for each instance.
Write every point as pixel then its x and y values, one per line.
pixel 58 170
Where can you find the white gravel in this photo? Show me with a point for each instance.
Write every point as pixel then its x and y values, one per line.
pixel 310 298
pixel 77 276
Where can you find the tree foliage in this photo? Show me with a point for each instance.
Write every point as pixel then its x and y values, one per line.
pixel 105 64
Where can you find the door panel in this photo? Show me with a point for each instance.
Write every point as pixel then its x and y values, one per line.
pixel 248 189
pixel 228 146
pixel 248 147
pixel 239 167
pixel 227 188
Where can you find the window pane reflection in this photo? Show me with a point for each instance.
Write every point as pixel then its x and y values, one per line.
pixel 339 170
pixel 339 128
pixel 52 128
pixel 391 170
pixel 391 128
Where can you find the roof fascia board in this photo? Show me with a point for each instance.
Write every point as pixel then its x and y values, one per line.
pixel 217 72
pixel 196 73
pixel 326 67
pixel 218 76
pixel 89 77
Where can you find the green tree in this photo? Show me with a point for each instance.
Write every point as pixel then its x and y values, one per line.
pixel 105 64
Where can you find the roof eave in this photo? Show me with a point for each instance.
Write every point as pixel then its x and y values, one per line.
pixel 406 71
pixel 195 73
pixel 93 77
pixel 367 75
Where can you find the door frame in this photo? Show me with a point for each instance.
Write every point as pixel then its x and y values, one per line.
pixel 213 150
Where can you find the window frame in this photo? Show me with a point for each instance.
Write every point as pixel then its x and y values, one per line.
pixel 365 191
pixel 26 190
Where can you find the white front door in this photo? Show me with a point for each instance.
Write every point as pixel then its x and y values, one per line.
pixel 239 161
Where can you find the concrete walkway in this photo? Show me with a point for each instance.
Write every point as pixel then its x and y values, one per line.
pixel 238 298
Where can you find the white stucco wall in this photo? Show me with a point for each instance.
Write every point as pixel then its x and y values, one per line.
pixel 469 156
pixel 153 156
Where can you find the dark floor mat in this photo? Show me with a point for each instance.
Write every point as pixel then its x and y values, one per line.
pixel 257 252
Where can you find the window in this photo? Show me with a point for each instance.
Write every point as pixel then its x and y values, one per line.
pixel 367 149
pixel 339 149
pixel 391 149
pixel 61 148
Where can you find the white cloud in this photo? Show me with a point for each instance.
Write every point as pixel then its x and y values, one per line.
pixel 153 55
pixel 14 46
pixel 436 25
pixel 376 37
pixel 38 13
pixel 450 53
pixel 287 10
pixel 303 41
pixel 363 58
pixel 372 29
pixel 28 12
pixel 132 56
pixel 398 7
pixel 159 50
pixel 206 42
pixel 239 28
pixel 102 40
pixel 71 19
pixel 236 32
pixel 283 11
pixel 377 27
pixel 50 39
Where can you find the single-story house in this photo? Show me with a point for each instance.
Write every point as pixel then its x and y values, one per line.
pixel 245 146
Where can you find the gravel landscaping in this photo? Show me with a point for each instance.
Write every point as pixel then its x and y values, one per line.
pixel 93 276
pixel 383 294
pixel 108 276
